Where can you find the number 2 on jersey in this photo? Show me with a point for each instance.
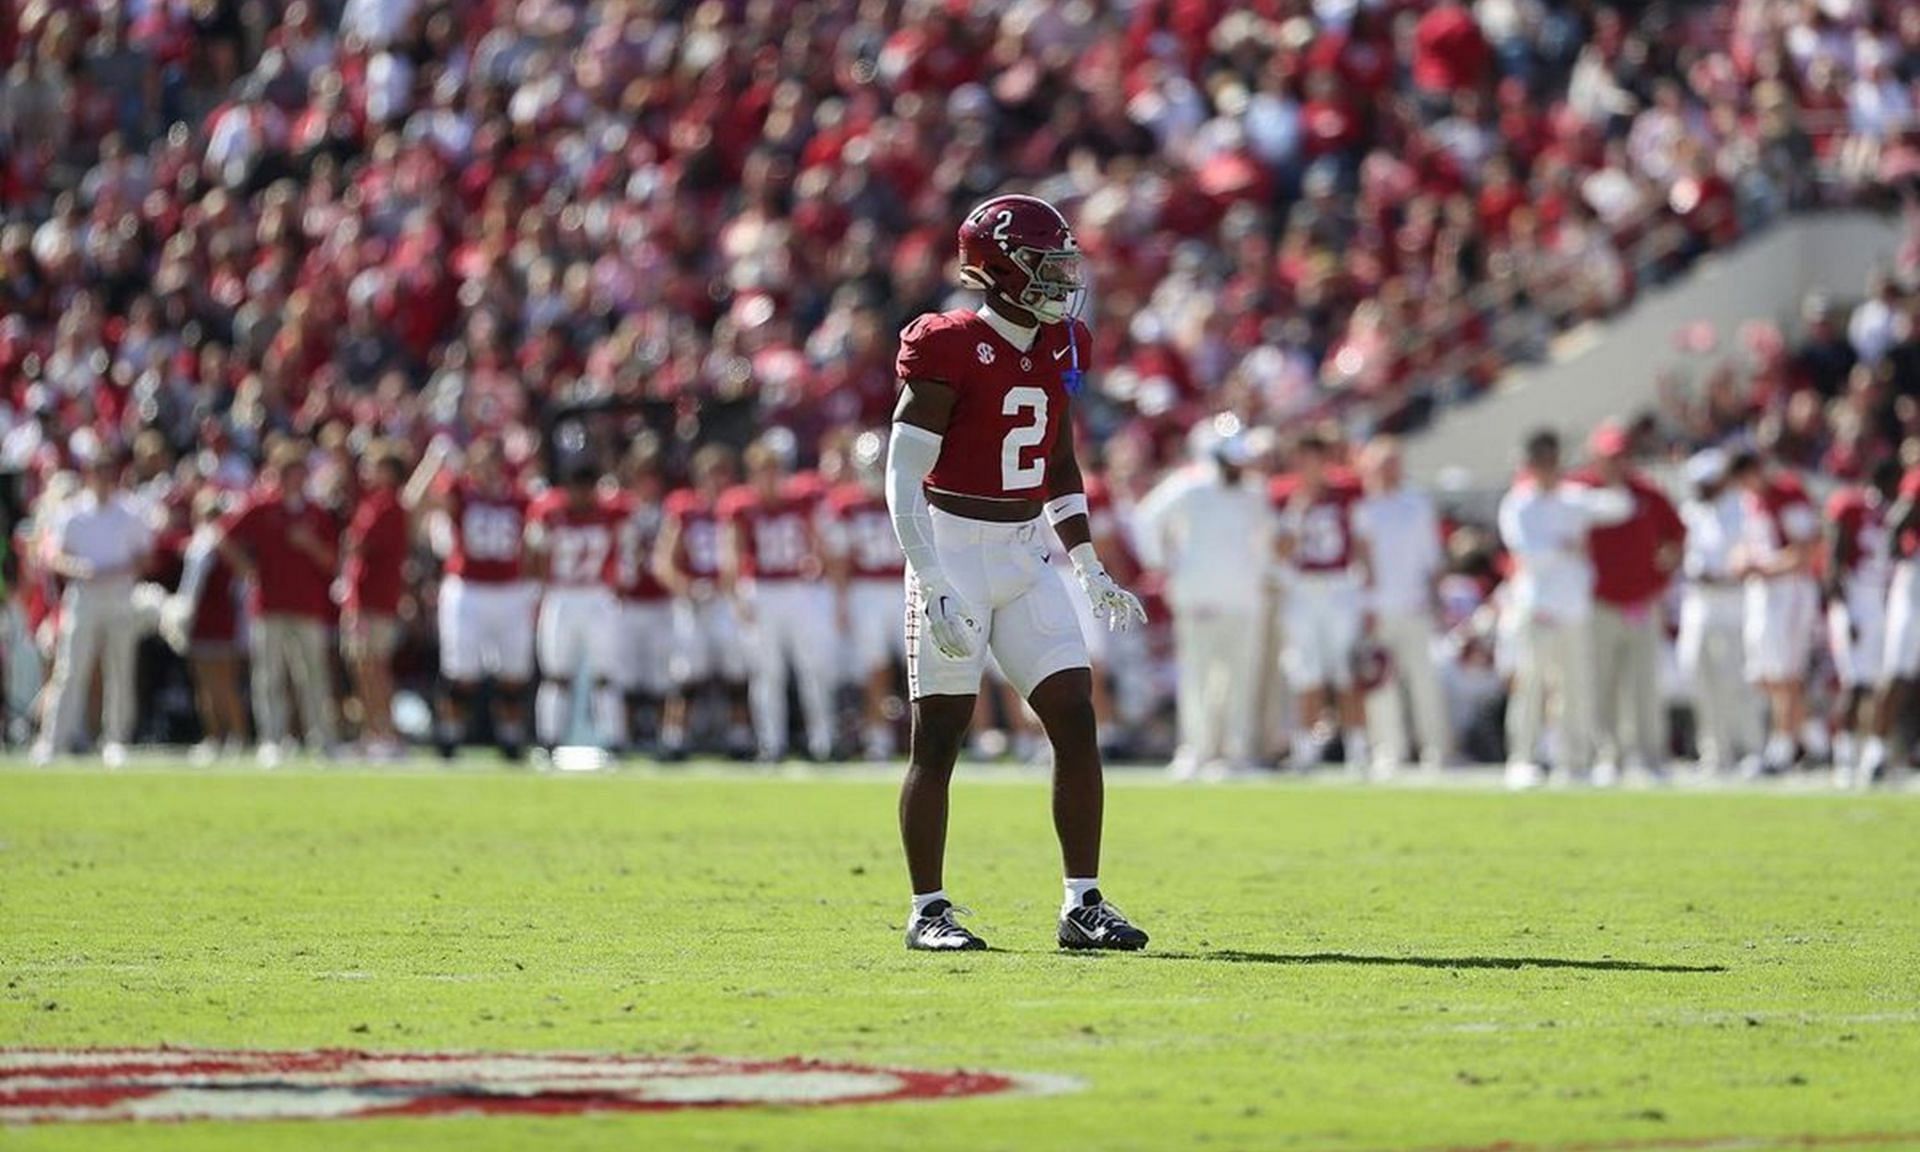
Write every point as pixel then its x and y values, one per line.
pixel 1016 472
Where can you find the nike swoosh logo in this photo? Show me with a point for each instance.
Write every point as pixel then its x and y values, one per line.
pixel 1059 352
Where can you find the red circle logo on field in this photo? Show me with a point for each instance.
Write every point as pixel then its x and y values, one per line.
pixel 49 1085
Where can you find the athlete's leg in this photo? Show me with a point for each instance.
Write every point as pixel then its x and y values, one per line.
pixel 939 731
pixel 1064 703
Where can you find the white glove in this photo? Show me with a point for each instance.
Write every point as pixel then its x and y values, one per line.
pixel 1120 608
pixel 950 621
pixel 176 623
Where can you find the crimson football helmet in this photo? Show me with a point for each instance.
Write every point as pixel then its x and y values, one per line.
pixel 1020 249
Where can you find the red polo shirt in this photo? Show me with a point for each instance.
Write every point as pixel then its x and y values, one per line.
pixel 376 554
pixel 1625 555
pixel 287 582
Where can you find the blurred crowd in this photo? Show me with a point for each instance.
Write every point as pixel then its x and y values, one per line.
pixel 357 229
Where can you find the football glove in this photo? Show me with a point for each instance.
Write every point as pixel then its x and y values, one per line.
pixel 951 624
pixel 1120 608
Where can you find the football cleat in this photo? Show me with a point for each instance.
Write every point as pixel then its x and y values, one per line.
pixel 1098 924
pixel 934 930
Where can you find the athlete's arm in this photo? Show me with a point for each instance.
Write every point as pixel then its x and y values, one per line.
pixel 665 550
pixel 536 541
pixel 1067 493
pixel 733 552
pixel 1363 565
pixel 1834 547
pixel 1067 512
pixel 419 494
pixel 1902 518
pixel 919 428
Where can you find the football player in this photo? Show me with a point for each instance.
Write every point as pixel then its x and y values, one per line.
pixel 1859 573
pixel 771 560
pixel 572 530
pixel 1901 665
pixel 476 520
pixel 646 607
pixel 981 446
pixel 1325 604
pixel 1781 531
pixel 869 573
pixel 706 641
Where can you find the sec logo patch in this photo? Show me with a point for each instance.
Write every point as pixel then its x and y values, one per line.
pixel 985 351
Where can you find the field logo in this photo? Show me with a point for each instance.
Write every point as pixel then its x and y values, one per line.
pixel 43 1085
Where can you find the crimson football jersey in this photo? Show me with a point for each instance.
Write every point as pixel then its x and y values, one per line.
pixel 698 557
pixel 1779 515
pixel 1010 407
pixel 1862 527
pixel 638 529
pixel 775 535
pixel 863 531
pixel 1909 542
pixel 1321 526
pixel 579 542
pixel 486 532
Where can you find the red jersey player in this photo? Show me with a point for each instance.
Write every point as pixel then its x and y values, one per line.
pixel 1901 667
pixel 573 529
pixel 477 522
pixel 288 547
pixel 646 607
pixel 1778 538
pixel 869 573
pixel 1325 602
pixel 707 655
pixel 373 561
pixel 981 446
pixel 1859 573
pixel 771 559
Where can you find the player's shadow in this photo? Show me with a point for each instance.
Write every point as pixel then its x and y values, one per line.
pixel 1237 956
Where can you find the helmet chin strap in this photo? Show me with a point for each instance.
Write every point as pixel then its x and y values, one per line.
pixel 1074 378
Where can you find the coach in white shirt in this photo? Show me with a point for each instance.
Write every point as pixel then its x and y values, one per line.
pixel 99 545
pixel 1210 529
pixel 1544 524
pixel 1713 617
pixel 1402 532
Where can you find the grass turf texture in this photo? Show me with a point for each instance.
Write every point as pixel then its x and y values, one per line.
pixel 1331 967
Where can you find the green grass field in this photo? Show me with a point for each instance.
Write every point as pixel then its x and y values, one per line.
pixel 1332 967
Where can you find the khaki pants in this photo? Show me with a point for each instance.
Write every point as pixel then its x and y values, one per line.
pixel 97 630
pixel 1219 655
pixel 1629 714
pixel 1409 640
pixel 1553 662
pixel 292 649
pixel 1711 656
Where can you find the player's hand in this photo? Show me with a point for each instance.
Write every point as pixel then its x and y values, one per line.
pixel 1120 608
pixel 176 623
pixel 951 624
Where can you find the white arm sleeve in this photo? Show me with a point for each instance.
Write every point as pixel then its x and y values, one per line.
pixel 1605 507
pixel 200 555
pixel 912 452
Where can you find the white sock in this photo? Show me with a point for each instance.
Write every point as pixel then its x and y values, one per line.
pixel 1354 742
pixel 922 899
pixel 1813 737
pixel 1077 891
pixel 552 706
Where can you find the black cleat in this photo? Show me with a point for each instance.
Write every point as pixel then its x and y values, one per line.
pixel 1098 924
pixel 934 930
